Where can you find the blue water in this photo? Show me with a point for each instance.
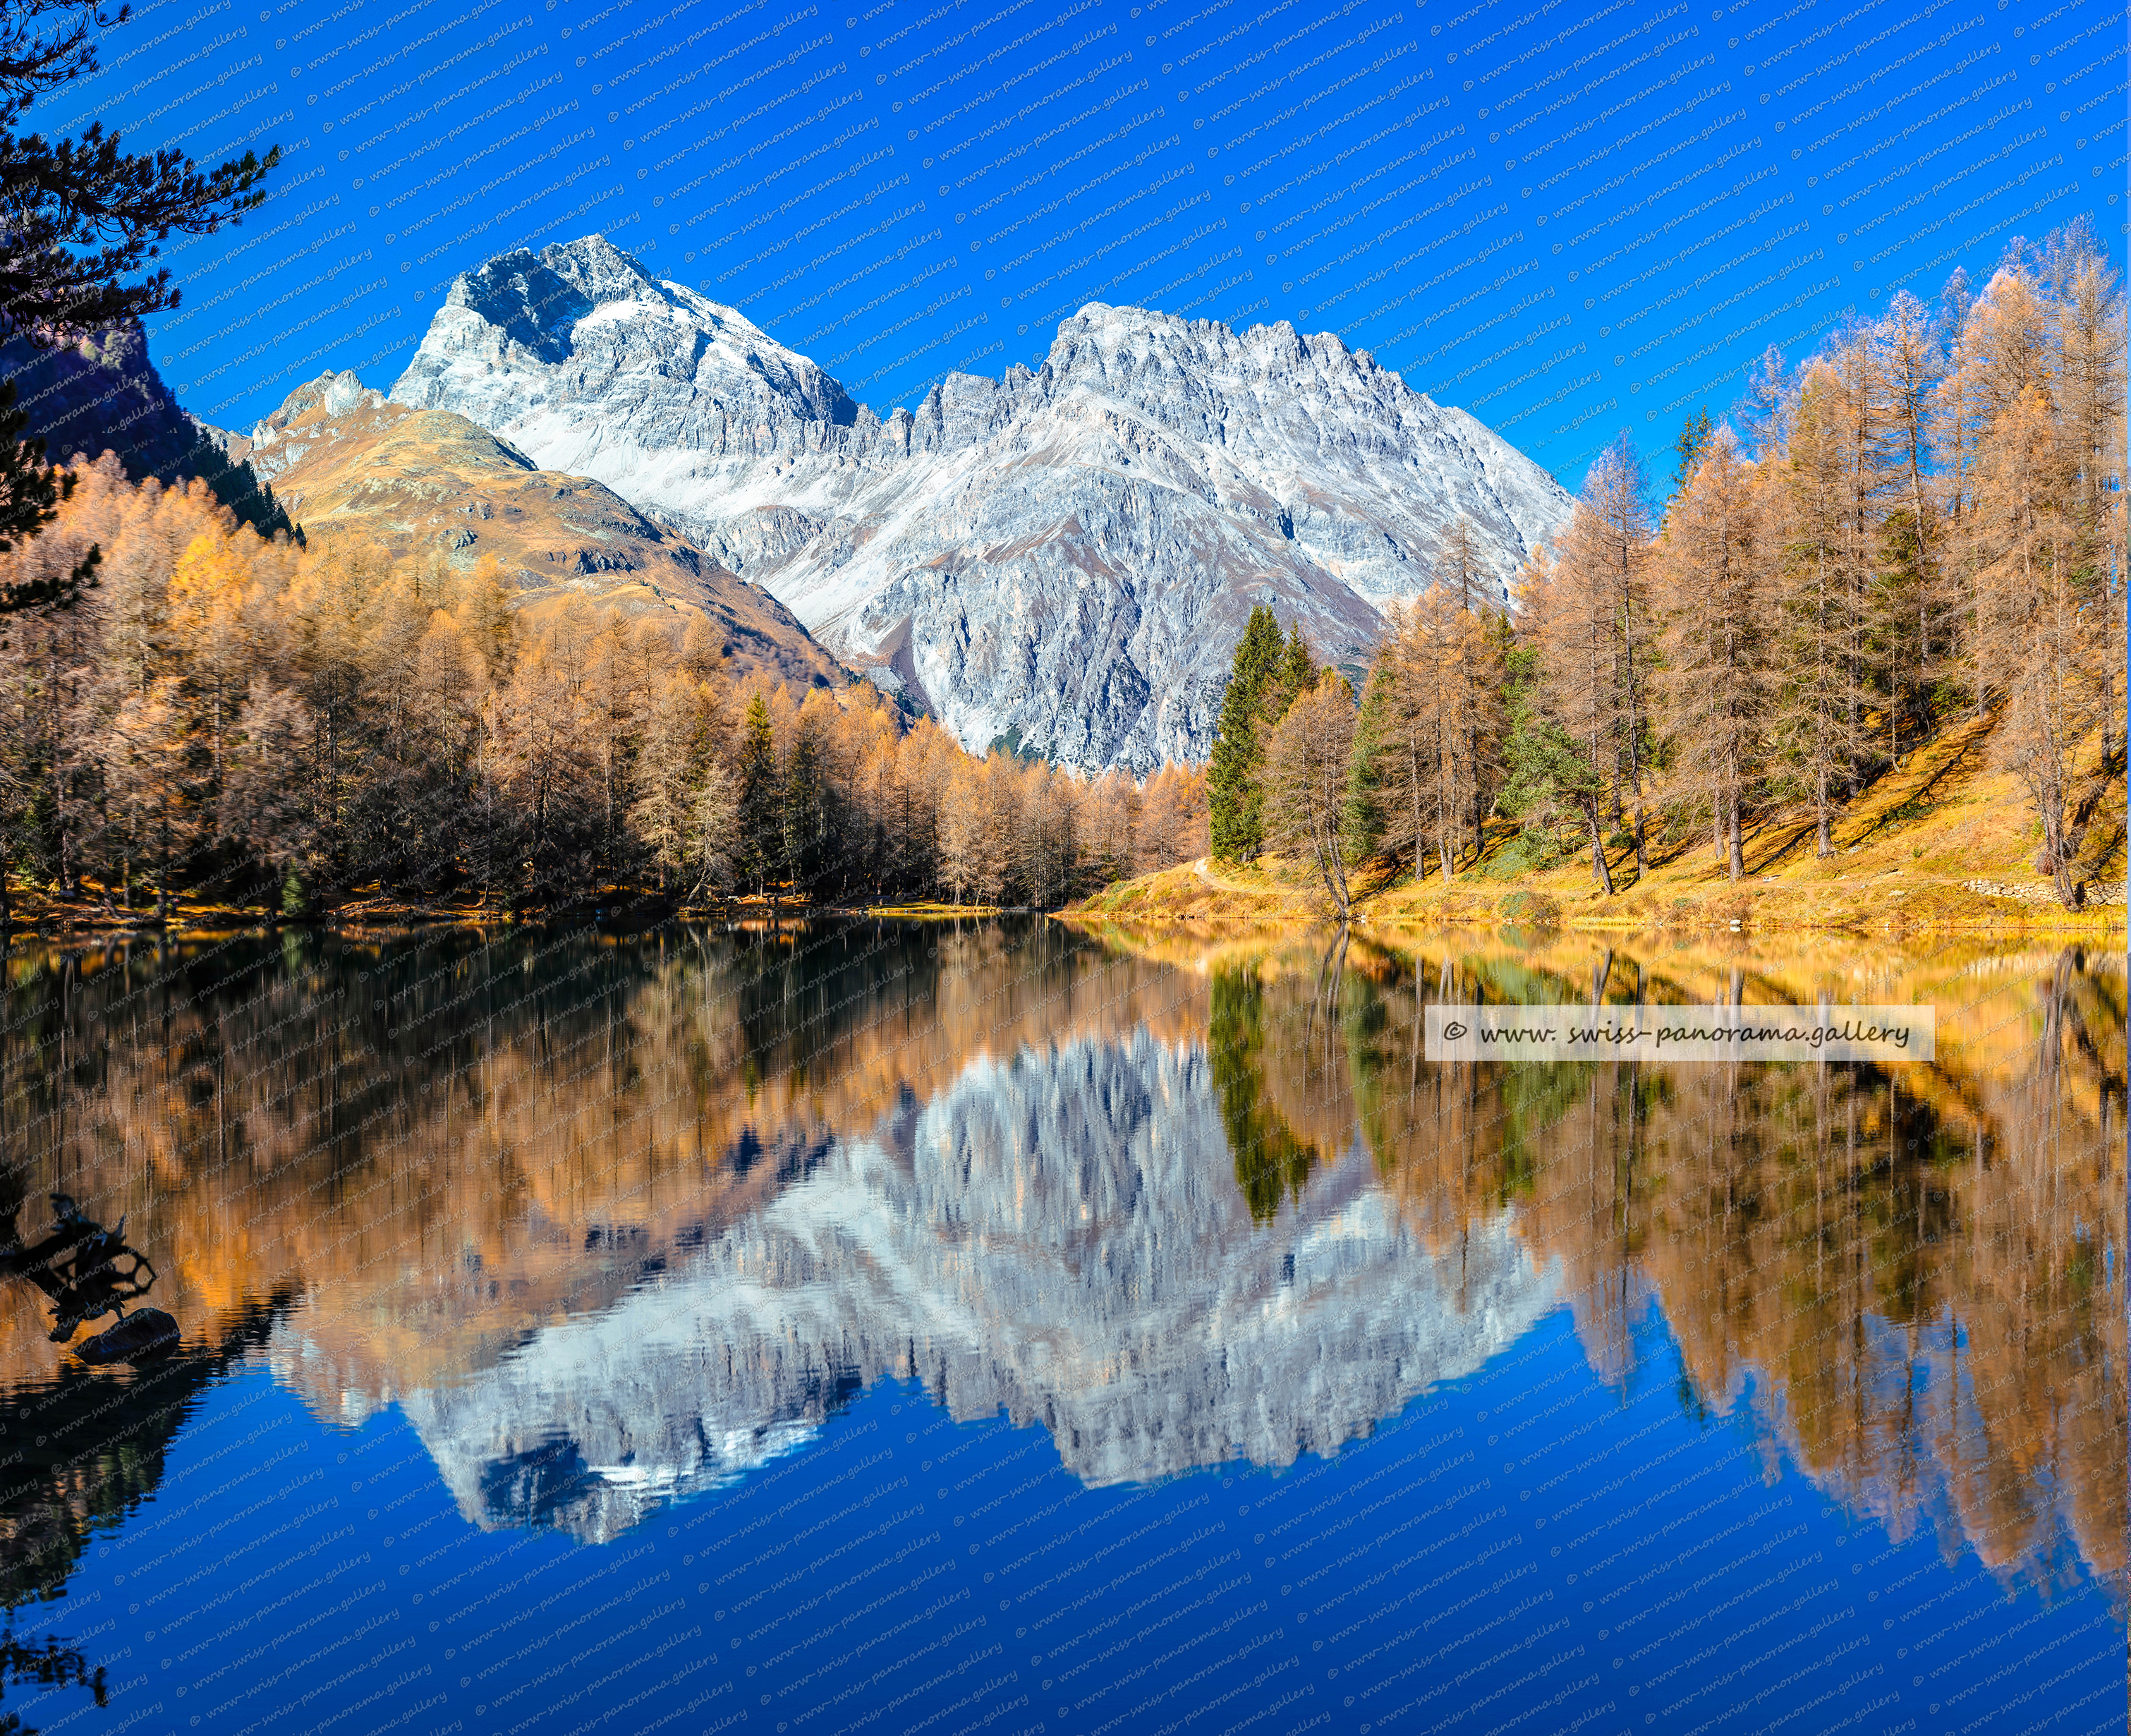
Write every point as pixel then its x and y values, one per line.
pixel 1552 1539
pixel 959 1580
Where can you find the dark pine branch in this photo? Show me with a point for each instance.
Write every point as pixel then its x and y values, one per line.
pixel 81 221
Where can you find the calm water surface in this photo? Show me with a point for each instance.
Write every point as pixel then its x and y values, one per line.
pixel 999 1330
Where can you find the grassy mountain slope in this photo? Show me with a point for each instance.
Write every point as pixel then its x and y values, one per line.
pixel 346 463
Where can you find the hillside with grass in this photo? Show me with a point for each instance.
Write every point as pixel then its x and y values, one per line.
pixel 1860 664
pixel 429 488
pixel 1940 843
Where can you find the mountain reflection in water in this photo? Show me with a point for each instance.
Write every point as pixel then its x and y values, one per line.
pixel 1043 1237
pixel 614 1221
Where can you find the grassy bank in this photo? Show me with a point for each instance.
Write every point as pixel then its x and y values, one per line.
pixel 1940 844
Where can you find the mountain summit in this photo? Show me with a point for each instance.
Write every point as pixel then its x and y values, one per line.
pixel 1068 553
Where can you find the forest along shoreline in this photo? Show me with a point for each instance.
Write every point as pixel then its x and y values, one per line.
pixel 381 915
pixel 1274 899
pixel 1863 671
pixel 1940 843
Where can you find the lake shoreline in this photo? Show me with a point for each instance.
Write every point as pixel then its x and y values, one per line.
pixel 1883 903
pixel 1215 902
pixel 1941 842
pixel 623 909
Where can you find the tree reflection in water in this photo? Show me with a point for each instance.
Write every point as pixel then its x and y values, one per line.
pixel 48 1666
pixel 1911 1280
pixel 88 1271
pixel 85 1449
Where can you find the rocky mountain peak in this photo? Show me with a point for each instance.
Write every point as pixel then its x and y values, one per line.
pixel 1067 552
pixel 335 394
pixel 600 271
pixel 536 300
pixel 529 304
pixel 634 340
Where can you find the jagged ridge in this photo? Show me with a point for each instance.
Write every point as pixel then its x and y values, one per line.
pixel 1068 553
pixel 104 394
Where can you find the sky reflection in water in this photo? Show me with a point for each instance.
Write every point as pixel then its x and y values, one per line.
pixel 990 1329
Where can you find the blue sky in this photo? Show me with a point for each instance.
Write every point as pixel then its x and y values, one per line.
pixel 1567 218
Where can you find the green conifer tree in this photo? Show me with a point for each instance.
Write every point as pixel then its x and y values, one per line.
pixel 1298 674
pixel 1687 450
pixel 761 817
pixel 1234 799
pixel 1545 781
pixel 1365 781
pixel 806 819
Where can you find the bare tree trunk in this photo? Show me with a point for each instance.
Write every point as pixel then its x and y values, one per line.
pixel 1599 863
pixel 1635 744
pixel 1420 850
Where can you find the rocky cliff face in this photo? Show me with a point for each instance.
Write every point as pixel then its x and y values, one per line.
pixel 1059 1237
pixel 104 394
pixel 1069 553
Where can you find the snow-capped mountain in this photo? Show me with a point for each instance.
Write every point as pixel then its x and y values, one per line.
pixel 1059 1237
pixel 1067 554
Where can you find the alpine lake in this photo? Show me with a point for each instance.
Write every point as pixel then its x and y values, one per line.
pixel 1003 1327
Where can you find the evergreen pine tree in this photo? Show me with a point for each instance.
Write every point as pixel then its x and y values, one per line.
pixel 1687 450
pixel 1372 783
pixel 1298 674
pixel 761 818
pixel 805 814
pixel 1234 799
pixel 82 217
